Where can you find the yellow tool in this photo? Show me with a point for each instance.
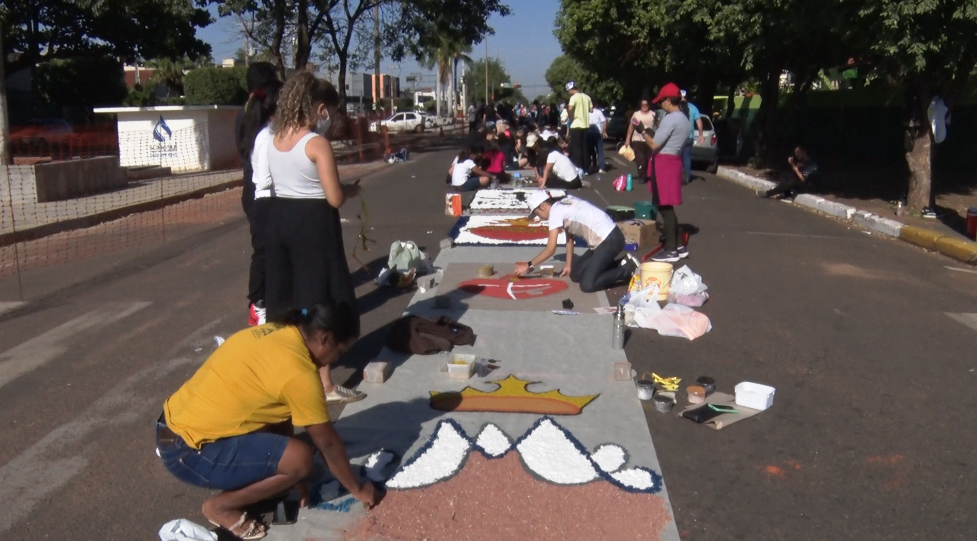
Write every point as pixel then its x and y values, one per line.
pixel 668 384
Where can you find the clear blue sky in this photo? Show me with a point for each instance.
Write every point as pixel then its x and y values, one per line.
pixel 524 41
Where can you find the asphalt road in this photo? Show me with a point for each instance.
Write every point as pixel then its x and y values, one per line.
pixel 870 437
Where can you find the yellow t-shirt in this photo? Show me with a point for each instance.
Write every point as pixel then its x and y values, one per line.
pixel 260 376
pixel 581 105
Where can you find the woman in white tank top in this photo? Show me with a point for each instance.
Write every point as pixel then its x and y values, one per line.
pixel 306 260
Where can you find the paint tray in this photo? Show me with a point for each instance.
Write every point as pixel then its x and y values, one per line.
pixel 461 366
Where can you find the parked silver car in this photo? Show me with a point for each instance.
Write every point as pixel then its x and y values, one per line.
pixel 707 151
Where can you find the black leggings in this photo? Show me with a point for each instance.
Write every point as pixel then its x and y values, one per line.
pixel 258 220
pixel 642 153
pixel 597 268
pixel 306 261
pixel 669 219
pixel 578 147
pixel 558 183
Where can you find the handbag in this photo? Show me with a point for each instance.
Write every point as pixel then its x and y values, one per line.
pixel 420 336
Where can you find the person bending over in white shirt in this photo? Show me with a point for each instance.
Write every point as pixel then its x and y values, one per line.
pixel 595 269
pixel 559 171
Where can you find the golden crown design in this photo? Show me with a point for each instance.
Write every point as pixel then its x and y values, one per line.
pixel 512 396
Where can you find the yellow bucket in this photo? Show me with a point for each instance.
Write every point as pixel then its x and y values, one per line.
pixel 653 273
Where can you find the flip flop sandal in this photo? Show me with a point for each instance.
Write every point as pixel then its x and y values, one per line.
pixel 255 529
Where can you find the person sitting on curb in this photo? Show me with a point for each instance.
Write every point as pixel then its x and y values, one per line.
pixel 230 427
pixel 803 168
pixel 597 269
pixel 559 171
pixel 464 175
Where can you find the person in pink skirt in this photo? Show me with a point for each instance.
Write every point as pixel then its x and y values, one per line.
pixel 666 187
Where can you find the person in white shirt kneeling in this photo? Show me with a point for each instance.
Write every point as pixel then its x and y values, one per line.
pixel 599 267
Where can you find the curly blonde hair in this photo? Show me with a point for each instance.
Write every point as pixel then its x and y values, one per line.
pixel 299 100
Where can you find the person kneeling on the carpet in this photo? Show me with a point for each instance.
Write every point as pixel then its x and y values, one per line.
pixel 598 268
pixel 464 175
pixel 231 426
pixel 559 171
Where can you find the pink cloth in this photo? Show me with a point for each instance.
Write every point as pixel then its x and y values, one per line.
pixel 496 159
pixel 668 176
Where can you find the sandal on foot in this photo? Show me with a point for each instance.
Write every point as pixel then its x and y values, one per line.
pixel 255 530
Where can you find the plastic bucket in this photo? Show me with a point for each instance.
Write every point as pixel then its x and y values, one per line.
pixel 972 223
pixel 646 389
pixel 644 210
pixel 654 272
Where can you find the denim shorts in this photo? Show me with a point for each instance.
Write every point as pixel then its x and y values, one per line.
pixel 226 464
pixel 470 185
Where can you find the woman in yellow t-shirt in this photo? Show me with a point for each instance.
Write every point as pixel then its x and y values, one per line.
pixel 230 426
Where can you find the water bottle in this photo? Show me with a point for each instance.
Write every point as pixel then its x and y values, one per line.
pixel 630 185
pixel 617 334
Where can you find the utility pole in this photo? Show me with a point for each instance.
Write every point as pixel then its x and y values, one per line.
pixel 4 123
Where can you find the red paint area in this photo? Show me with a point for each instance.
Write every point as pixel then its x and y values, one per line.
pixel 512 287
pixel 514 230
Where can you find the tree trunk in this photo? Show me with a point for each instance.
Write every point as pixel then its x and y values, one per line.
pixel 731 100
pixel 438 91
pixel 919 158
pixel 766 119
pixel 341 82
pixel 303 46
pixel 279 37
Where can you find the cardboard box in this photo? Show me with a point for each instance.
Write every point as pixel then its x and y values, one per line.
pixel 640 232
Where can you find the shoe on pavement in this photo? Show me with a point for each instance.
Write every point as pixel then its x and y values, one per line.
pixel 585 183
pixel 666 256
pixel 342 395
pixel 629 261
pixel 258 314
pixel 601 171
pixel 683 252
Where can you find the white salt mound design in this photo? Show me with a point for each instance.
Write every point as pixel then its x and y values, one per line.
pixel 375 465
pixel 493 441
pixel 549 453
pixel 635 478
pixel 441 460
pixel 609 457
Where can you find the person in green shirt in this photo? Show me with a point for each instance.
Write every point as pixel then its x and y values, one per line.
pixel 579 115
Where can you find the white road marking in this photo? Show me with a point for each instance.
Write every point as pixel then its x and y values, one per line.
pixel 44 468
pixel 42 349
pixel 961 270
pixel 969 320
pixel 797 235
pixel 8 306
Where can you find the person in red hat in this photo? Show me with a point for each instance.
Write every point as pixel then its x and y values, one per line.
pixel 666 189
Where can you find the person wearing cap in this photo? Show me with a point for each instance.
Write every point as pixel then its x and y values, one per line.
pixel 596 269
pixel 666 187
pixel 695 118
pixel 579 117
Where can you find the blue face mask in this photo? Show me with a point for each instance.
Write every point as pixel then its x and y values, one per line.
pixel 322 127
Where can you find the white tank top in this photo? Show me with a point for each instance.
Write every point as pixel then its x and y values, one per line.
pixel 294 174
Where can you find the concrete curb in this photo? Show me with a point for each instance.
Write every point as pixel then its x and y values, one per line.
pixel 959 249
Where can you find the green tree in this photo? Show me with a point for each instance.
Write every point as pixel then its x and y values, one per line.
pixel 564 69
pixel 475 79
pixel 43 30
pixel 931 48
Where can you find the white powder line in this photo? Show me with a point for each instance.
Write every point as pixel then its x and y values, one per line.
pixel 509 290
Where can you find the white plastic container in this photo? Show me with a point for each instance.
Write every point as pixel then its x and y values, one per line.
pixel 461 366
pixel 754 395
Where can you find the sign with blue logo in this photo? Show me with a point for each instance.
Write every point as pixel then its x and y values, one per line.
pixel 163 145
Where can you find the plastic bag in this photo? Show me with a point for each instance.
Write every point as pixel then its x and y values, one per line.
pixel 686 282
pixel 182 529
pixel 673 320
pixel 621 183
pixel 645 298
pixel 404 256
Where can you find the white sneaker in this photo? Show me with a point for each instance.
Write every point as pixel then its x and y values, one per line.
pixel 342 395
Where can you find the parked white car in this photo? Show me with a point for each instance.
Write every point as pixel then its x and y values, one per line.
pixel 402 122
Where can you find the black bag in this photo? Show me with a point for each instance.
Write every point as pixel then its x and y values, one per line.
pixel 420 336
